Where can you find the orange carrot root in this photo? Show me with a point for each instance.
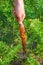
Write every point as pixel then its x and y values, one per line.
pixel 22 33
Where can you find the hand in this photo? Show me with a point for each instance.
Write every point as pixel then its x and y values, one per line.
pixel 19 10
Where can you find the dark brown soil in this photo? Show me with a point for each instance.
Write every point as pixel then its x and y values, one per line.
pixel 16 63
pixel 23 57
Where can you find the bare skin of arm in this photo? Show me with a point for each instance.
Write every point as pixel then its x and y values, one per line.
pixel 19 13
pixel 19 10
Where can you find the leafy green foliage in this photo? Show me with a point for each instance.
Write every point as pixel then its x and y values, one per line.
pixel 10 41
pixel 7 53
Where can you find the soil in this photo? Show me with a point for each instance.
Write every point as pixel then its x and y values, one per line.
pixel 16 63
pixel 23 57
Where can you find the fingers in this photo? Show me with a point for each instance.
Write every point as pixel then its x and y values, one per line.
pixel 19 18
pixel 23 16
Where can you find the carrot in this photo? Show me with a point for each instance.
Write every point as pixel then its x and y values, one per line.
pixel 23 37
